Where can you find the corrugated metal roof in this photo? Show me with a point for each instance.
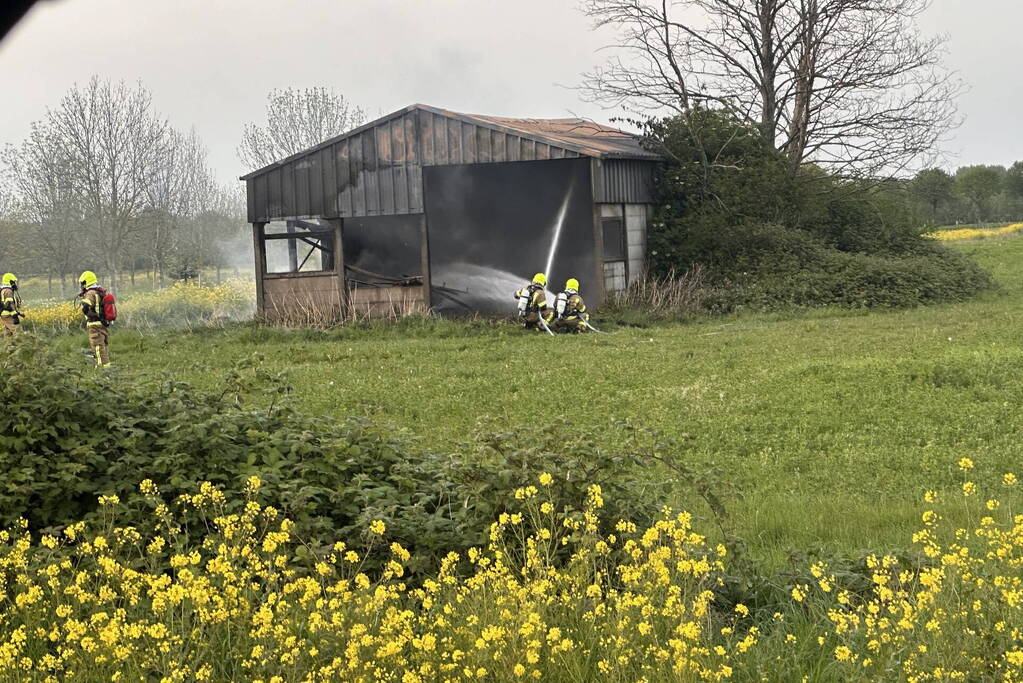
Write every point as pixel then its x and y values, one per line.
pixel 590 138
pixel 577 135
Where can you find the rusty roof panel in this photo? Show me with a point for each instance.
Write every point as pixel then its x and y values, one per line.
pixel 586 137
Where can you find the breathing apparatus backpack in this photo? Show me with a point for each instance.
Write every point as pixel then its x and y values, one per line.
pixel 107 306
pixel 560 304
pixel 525 299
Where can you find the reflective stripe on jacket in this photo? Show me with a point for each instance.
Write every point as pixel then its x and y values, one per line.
pixel 574 306
pixel 8 304
pixel 91 304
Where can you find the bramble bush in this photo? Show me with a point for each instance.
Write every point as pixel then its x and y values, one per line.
pixel 73 434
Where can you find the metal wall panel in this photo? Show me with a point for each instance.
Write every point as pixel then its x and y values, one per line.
pixel 250 198
pixel 328 182
pixel 626 181
pixel 342 167
pixel 275 207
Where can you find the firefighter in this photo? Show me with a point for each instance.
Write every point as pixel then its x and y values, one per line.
pixel 96 326
pixel 571 309
pixel 533 304
pixel 10 304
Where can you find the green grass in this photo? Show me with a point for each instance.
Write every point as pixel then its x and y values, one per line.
pixel 830 424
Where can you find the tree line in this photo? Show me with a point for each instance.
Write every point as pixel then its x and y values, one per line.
pixel 973 194
pixel 104 182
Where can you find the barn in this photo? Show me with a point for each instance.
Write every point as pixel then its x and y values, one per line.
pixel 429 209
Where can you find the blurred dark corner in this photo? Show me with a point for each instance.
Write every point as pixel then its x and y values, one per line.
pixel 10 12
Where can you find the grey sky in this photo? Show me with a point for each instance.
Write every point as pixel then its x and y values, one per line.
pixel 210 63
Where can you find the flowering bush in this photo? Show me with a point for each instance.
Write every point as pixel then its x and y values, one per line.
pixel 248 599
pixel 180 304
pixel 973 233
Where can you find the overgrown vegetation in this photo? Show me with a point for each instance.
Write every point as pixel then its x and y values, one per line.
pixel 768 236
pixel 795 411
pixel 209 586
pixel 74 435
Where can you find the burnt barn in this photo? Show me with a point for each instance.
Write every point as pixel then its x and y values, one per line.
pixel 432 209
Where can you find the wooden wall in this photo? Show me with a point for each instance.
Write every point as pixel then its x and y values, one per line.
pixel 387 302
pixel 301 298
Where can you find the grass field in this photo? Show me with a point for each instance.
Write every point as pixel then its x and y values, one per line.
pixel 829 424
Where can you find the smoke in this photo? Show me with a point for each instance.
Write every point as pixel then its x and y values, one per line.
pixel 236 253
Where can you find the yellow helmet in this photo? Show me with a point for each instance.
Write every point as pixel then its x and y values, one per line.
pixel 572 284
pixel 10 279
pixel 540 279
pixel 87 279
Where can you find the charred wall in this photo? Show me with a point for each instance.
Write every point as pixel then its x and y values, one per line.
pixel 492 226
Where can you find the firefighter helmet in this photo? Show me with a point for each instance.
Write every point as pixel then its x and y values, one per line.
pixel 572 285
pixel 10 279
pixel 87 279
pixel 540 279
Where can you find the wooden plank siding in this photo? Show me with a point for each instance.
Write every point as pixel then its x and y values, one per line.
pixel 376 170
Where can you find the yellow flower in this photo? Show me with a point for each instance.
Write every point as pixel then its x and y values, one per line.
pixel 1009 479
pixel 965 464
pixel 546 479
pixel 969 488
pixel 109 500
pixel 378 527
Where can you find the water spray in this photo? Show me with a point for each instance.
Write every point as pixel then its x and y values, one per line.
pixel 559 223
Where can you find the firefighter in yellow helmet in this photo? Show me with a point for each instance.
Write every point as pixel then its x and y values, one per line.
pixel 96 326
pixel 570 309
pixel 532 300
pixel 10 305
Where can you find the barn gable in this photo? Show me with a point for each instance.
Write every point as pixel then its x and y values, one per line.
pixel 376 169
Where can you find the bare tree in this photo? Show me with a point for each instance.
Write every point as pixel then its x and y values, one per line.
pixel 181 189
pixel 852 85
pixel 8 202
pixel 114 144
pixel 44 175
pixel 296 120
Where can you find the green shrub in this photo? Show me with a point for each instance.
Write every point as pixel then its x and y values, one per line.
pixel 767 235
pixel 73 434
